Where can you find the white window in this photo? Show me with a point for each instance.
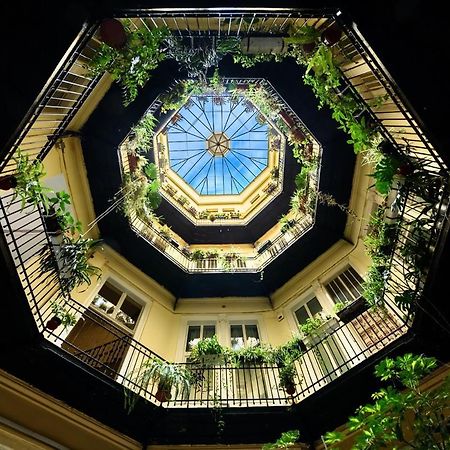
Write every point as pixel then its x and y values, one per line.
pixel 244 334
pixel 346 287
pixel 308 310
pixel 197 332
pixel 117 305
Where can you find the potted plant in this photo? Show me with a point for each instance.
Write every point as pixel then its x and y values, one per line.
pixel 113 33
pixel 131 64
pixel 61 316
pixel 57 218
pixel 331 35
pixel 287 377
pixel 70 259
pixel 197 255
pixel 26 181
pixel 306 36
pixel 166 232
pixel 347 311
pixel 207 351
pixel 253 353
pixel 167 375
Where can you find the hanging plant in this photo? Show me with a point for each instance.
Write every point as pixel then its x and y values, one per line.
pixel 132 64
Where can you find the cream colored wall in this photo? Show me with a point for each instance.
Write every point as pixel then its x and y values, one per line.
pixel 30 419
pixel 163 323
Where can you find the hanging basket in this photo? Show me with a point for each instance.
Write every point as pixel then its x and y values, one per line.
pixel 163 393
pixel 331 35
pixel 113 33
pixel 8 182
pixel 53 323
pixel 290 389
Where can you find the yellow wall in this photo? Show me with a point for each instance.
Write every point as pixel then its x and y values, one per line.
pixel 33 418
pixel 162 325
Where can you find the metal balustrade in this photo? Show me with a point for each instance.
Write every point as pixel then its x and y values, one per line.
pixel 341 346
pixel 338 348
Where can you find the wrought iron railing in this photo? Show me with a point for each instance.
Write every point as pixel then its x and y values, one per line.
pixel 338 348
pixel 341 347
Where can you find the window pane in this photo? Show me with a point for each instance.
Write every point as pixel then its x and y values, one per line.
pixel 129 313
pixel 209 331
pixel 335 292
pixel 237 337
pixel 302 315
pixel 192 337
pixel 251 331
pixel 110 293
pixel 236 331
pixel 131 308
pixel 314 306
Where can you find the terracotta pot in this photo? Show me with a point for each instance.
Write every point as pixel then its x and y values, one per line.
pixel 287 118
pixel 8 182
pixel 309 48
pixel 113 33
pixel 53 323
pixel 163 394
pixel 132 162
pixel 290 389
pixel 405 169
pixel 298 134
pixel 331 35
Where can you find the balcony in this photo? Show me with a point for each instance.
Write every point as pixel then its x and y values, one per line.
pixel 341 346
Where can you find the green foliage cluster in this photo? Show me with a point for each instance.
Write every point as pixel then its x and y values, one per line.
pixel 312 325
pixel 154 370
pixel 379 239
pixel 206 347
pixel 28 175
pixel 409 417
pixel 29 189
pixel 385 169
pixel 67 318
pixel 374 283
pixel 286 440
pixel 143 132
pixel 132 65
pixel 70 259
pixel 140 191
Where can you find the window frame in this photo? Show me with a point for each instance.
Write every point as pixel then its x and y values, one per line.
pixel 125 292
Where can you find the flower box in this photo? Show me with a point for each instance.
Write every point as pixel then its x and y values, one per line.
pixel 353 310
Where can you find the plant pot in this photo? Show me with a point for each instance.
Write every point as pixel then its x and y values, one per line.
pixel 163 393
pixel 132 162
pixel 353 310
pixel 8 182
pixel 290 389
pixel 51 224
pixel 113 33
pixel 331 35
pixel 309 47
pixel 53 323
pixel 288 120
pixel 298 135
pixel 263 45
pixel 388 148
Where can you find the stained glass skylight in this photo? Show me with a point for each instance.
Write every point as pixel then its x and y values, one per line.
pixel 218 143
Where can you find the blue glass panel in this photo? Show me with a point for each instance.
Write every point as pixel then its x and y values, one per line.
pixel 217 145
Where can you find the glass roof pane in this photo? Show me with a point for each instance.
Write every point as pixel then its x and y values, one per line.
pixel 218 144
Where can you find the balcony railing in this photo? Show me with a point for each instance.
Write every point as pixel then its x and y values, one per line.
pixel 341 347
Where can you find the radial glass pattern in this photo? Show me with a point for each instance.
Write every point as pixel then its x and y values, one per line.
pixel 218 144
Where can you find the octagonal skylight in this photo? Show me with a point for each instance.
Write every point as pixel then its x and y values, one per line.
pixel 218 144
